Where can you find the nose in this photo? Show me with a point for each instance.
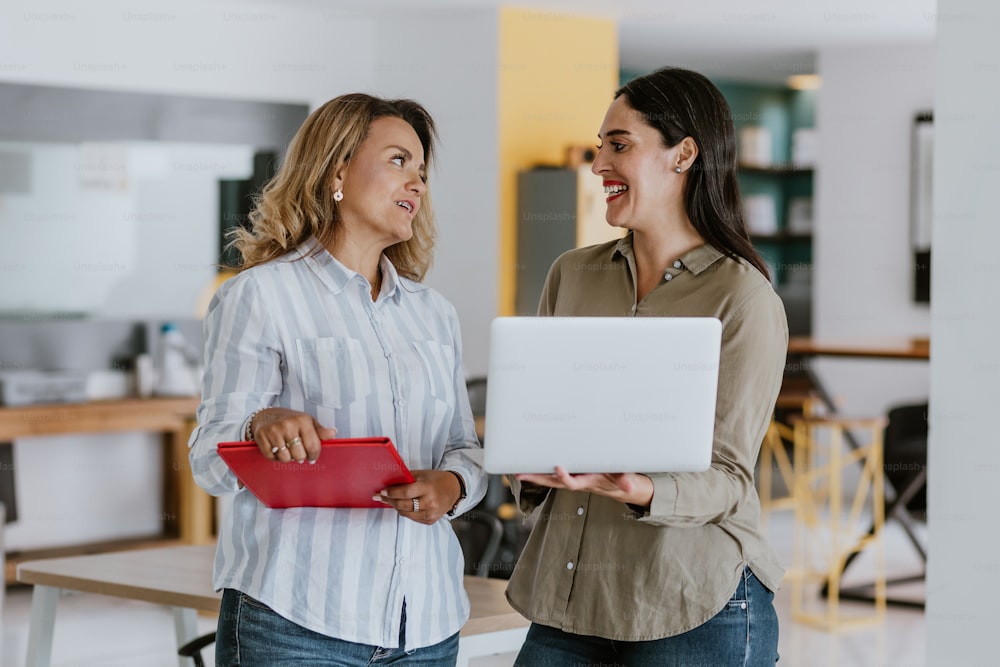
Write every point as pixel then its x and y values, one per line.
pixel 599 165
pixel 417 185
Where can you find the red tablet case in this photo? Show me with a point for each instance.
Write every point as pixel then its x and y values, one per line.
pixel 348 472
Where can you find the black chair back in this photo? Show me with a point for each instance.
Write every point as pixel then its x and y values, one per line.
pixel 905 451
pixel 479 533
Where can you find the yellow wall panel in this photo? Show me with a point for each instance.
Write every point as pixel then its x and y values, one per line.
pixel 557 75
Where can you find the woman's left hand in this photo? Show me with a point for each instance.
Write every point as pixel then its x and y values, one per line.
pixel 426 500
pixel 626 487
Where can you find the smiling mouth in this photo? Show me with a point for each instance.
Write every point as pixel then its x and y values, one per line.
pixel 407 205
pixel 615 191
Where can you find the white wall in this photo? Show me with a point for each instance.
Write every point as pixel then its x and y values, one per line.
pixel 863 262
pixel 220 48
pixel 118 229
pixel 964 461
pixel 228 49
pixel 416 57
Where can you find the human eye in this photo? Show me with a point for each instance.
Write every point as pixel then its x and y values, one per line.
pixel 398 159
pixel 616 146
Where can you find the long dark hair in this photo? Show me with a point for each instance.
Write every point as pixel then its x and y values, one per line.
pixel 681 103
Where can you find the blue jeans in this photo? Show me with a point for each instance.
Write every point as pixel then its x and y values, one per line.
pixel 744 633
pixel 250 634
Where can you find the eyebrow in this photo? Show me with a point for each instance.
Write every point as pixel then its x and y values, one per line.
pixel 612 133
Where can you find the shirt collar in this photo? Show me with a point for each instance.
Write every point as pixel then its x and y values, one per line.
pixel 336 276
pixel 695 260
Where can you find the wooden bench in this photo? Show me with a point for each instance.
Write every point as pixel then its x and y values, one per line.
pixel 181 577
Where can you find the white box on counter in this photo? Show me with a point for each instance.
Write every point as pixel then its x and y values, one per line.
pixel 31 387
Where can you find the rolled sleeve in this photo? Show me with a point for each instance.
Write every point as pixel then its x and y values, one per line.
pixel 754 341
pixel 241 375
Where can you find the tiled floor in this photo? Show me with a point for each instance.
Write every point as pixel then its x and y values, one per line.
pixel 97 631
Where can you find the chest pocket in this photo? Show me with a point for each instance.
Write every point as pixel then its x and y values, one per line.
pixel 439 364
pixel 335 371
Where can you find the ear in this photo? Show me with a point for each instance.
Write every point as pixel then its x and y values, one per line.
pixel 340 172
pixel 687 152
pixel 338 177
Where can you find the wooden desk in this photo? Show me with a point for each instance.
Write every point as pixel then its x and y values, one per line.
pixel 865 348
pixel 913 349
pixel 187 508
pixel 181 578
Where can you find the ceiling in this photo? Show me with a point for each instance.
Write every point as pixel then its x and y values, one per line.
pixel 764 40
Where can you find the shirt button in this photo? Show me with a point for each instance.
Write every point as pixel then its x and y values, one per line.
pixel 634 308
pixel 401 403
pixel 388 355
pixel 743 605
pixel 668 276
pixel 569 565
pixel 579 511
pixel 677 264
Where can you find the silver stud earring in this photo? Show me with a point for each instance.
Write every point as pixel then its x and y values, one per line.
pixel 677 169
pixel 338 195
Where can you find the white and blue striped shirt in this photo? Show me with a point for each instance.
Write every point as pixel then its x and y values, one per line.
pixel 302 332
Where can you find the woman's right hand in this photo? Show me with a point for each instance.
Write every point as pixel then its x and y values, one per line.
pixel 289 435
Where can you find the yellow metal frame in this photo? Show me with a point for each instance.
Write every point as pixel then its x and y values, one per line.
pixel 772 452
pixel 824 537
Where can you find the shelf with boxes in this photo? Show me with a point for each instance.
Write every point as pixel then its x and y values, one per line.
pixel 777 153
pixel 778 207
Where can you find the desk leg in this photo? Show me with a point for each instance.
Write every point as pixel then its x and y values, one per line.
pixel 186 628
pixel 488 643
pixel 43 618
pixel 189 509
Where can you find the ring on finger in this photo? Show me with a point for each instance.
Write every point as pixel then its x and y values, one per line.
pixel 275 450
pixel 416 504
pixel 294 441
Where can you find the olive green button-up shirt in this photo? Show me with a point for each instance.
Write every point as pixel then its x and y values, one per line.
pixel 592 565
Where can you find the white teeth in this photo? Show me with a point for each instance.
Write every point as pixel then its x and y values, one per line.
pixel 614 189
pixel 406 205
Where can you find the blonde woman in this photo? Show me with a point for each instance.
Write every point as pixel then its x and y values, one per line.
pixel 327 330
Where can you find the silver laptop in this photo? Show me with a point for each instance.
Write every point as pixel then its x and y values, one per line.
pixel 601 394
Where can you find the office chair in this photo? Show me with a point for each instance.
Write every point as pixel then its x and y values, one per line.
pixel 193 648
pixel 906 457
pixel 497 493
pixel 499 500
pixel 905 465
pixel 479 533
pixel 476 387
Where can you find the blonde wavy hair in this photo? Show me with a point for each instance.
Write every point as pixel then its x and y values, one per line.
pixel 298 202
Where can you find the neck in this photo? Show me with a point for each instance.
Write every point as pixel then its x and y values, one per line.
pixel 657 248
pixel 361 259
